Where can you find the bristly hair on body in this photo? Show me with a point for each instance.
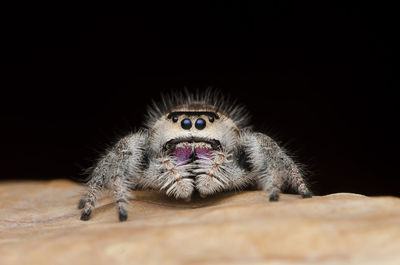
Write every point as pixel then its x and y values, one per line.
pixel 180 159
pixel 212 100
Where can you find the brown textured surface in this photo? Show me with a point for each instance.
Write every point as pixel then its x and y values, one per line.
pixel 39 224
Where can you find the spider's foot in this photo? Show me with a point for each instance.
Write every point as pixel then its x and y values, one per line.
pixel 306 195
pixel 274 196
pixel 122 214
pixel 85 215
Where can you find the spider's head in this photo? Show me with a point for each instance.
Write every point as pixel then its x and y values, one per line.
pixel 186 124
pixel 193 129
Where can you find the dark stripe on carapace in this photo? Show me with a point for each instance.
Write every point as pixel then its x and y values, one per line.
pixel 193 113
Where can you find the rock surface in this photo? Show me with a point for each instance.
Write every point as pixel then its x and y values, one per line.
pixel 39 224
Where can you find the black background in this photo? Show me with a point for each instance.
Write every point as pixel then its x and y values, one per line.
pixel 318 77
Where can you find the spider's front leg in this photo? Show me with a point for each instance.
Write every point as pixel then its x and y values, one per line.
pixel 114 172
pixel 274 167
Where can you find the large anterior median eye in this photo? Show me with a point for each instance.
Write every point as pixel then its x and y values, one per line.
pixel 186 124
pixel 200 124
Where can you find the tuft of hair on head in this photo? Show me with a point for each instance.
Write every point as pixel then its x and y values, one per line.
pixel 209 97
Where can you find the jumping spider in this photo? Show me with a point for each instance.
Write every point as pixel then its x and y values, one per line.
pixel 192 142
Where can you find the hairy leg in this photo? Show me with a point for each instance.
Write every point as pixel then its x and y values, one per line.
pixel 121 194
pixel 275 187
pixel 87 203
pixel 274 166
pixel 119 190
pixel 297 181
pixel 114 171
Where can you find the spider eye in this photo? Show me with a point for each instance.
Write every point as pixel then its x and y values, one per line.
pixel 210 118
pixel 200 124
pixel 175 118
pixel 186 124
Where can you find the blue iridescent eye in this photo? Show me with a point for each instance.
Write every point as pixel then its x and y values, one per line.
pixel 186 124
pixel 200 124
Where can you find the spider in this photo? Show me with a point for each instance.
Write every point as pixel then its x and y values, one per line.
pixel 192 143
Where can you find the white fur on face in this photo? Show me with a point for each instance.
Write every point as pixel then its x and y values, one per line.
pixel 223 129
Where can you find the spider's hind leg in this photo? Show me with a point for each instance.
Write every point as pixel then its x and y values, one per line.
pixel 114 172
pixel 274 193
pixel 121 192
pixel 87 203
pixel 297 181
pixel 275 168
pixel 271 182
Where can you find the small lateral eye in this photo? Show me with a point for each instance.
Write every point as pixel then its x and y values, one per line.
pixel 174 118
pixel 210 118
